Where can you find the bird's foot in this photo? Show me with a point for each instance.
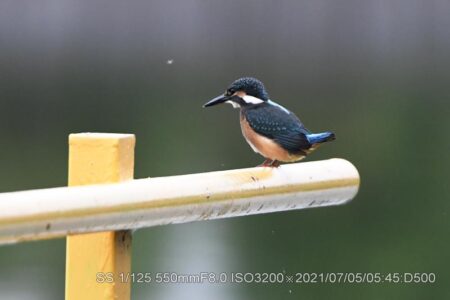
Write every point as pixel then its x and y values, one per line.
pixel 266 163
pixel 270 163
pixel 275 164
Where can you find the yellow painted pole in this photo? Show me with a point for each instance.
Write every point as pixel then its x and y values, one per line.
pixel 96 158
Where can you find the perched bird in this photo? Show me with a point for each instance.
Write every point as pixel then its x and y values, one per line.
pixel 270 129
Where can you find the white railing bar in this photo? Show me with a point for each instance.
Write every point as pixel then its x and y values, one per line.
pixel 56 212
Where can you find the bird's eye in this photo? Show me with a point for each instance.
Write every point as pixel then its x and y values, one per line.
pixel 229 93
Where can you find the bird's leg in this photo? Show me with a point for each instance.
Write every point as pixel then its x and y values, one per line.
pixel 275 164
pixel 266 163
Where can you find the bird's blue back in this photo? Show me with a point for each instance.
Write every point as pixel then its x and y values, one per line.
pixel 279 124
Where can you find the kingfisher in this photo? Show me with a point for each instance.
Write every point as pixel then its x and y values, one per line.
pixel 269 128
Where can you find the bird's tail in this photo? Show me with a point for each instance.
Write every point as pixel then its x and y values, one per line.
pixel 317 138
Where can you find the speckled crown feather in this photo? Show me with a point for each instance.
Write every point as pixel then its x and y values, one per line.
pixel 251 86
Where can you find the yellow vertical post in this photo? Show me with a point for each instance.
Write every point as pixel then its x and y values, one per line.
pixel 96 158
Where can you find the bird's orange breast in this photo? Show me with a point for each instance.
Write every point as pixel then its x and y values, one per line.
pixel 265 146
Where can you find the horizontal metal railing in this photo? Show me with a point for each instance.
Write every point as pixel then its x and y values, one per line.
pixel 56 212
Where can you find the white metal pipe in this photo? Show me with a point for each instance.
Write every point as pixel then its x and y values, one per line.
pixel 56 212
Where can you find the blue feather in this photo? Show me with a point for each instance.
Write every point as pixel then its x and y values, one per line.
pixel 317 138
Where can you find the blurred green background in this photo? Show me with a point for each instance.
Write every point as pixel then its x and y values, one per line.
pixel 377 73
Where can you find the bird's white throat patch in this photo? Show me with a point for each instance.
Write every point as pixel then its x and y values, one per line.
pixel 234 104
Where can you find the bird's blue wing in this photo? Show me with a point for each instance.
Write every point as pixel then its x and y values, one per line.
pixel 280 125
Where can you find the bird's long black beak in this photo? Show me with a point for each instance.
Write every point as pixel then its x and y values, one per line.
pixel 217 100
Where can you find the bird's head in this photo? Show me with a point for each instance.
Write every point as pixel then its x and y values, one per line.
pixel 242 92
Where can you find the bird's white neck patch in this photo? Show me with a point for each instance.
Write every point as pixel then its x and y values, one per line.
pixel 234 104
pixel 252 100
